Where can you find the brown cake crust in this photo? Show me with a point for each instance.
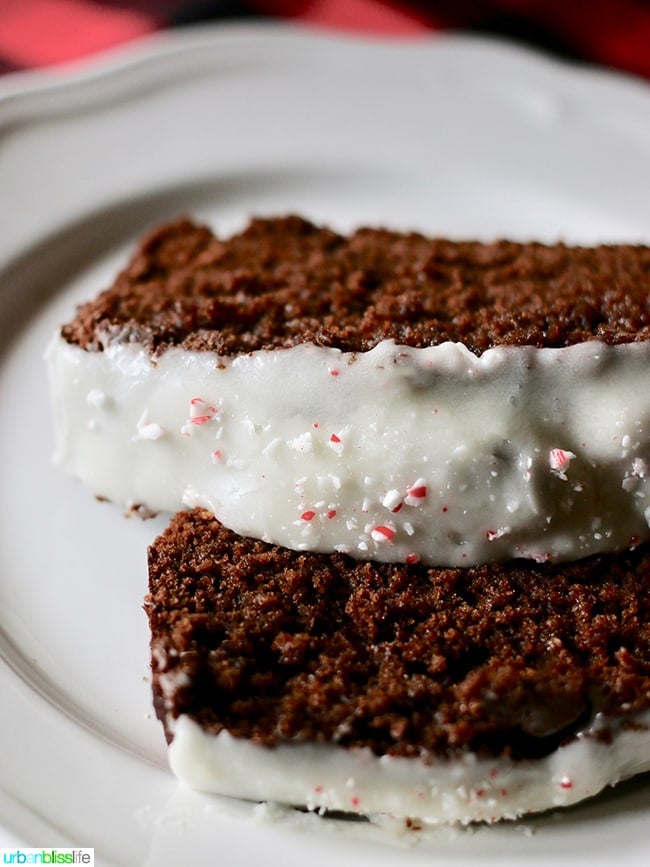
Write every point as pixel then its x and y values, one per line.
pixel 284 281
pixel 282 646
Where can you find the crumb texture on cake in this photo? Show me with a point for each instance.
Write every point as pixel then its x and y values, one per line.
pixel 280 647
pixel 284 281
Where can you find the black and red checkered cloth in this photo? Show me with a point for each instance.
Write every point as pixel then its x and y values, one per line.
pixel 612 33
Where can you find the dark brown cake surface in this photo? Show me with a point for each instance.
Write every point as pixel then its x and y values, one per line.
pixel 275 645
pixel 284 281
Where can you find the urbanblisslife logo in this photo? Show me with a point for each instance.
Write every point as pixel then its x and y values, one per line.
pixel 21 855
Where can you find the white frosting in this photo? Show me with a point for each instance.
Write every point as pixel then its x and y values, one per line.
pixel 466 789
pixel 395 454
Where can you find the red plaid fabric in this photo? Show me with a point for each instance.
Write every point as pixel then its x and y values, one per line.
pixel 614 33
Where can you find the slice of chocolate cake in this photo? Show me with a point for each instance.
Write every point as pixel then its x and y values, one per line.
pixel 441 694
pixel 384 395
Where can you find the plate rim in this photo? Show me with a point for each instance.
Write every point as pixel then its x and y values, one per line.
pixel 162 49
pixel 163 46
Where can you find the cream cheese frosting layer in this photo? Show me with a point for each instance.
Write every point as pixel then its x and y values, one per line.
pixel 465 789
pixel 396 454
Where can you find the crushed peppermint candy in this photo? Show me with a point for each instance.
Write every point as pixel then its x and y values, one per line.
pixel 393 501
pixel 302 443
pixel 335 443
pixel 416 493
pixel 146 430
pixel 491 535
pixel 559 461
pixel 201 411
pixel 383 533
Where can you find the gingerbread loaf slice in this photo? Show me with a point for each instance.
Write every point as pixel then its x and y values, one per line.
pixel 384 394
pixel 438 694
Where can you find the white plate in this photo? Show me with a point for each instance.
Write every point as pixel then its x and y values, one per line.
pixel 454 136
